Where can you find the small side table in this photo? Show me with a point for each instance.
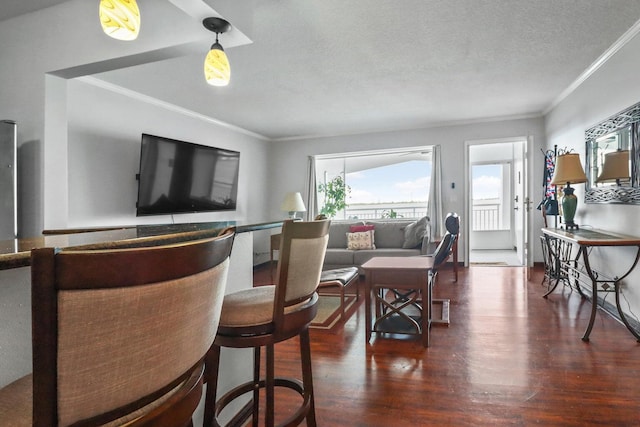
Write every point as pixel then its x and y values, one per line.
pixel 407 273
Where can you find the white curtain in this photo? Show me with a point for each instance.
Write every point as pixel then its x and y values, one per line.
pixel 310 196
pixel 434 206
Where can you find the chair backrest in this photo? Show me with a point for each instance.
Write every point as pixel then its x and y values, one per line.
pixel 444 249
pixel 117 330
pixel 302 251
pixel 452 223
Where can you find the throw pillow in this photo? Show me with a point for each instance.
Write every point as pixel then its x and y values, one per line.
pixel 414 233
pixel 360 228
pixel 360 240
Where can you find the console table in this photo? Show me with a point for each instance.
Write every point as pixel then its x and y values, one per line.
pixel 575 268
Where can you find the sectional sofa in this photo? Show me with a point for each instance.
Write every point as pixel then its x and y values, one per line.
pixel 352 243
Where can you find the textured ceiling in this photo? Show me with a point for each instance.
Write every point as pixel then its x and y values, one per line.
pixel 330 67
pixel 13 8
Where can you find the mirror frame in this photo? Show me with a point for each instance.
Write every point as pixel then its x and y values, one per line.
pixel 625 194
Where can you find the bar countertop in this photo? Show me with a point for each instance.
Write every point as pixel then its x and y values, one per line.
pixel 17 252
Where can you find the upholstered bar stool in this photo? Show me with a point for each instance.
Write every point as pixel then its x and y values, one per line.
pixel 120 335
pixel 263 316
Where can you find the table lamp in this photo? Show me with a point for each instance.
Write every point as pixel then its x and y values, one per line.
pixel 615 167
pixel 568 171
pixel 293 204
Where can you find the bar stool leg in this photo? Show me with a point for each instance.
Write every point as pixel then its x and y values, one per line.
pixel 307 377
pixel 256 386
pixel 212 364
pixel 269 386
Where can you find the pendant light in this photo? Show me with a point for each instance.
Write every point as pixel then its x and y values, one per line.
pixel 217 71
pixel 120 19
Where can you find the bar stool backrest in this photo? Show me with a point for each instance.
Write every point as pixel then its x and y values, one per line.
pixel 115 330
pixel 302 251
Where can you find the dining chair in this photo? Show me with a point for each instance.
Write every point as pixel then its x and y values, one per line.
pixel 119 335
pixel 440 256
pixel 265 315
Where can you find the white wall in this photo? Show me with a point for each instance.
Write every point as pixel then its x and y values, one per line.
pixel 609 90
pixel 103 155
pixel 290 158
pixel 58 40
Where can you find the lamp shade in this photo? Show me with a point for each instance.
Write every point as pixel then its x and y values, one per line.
pixel 616 166
pixel 293 203
pixel 120 19
pixel 217 70
pixel 568 169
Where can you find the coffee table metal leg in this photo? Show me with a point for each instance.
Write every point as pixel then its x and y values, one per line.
pixel 426 312
pixel 367 309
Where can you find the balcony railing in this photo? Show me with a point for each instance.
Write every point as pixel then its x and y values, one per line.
pixel 486 216
pixel 384 210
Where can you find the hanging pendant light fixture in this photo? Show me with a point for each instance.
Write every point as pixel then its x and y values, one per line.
pixel 120 19
pixel 217 70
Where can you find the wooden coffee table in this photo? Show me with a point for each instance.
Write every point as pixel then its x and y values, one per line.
pixel 398 273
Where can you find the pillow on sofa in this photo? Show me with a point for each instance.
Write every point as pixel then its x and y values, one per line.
pixel 414 233
pixel 360 228
pixel 360 240
pixel 338 233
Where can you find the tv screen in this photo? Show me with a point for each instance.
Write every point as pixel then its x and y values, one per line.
pixel 181 177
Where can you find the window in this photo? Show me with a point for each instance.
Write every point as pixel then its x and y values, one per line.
pixel 491 192
pixel 388 184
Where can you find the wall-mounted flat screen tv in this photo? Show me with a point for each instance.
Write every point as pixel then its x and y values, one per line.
pixel 182 177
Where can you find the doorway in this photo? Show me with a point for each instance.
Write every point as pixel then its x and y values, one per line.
pixel 496 202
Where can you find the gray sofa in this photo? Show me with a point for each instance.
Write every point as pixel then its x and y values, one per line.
pixel 392 237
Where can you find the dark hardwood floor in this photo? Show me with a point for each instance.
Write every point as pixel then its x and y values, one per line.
pixel 509 357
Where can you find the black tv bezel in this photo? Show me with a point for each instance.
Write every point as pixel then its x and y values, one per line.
pixel 182 142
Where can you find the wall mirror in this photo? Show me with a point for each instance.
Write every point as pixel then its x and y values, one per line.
pixel 613 159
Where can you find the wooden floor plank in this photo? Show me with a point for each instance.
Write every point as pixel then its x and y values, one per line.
pixel 509 357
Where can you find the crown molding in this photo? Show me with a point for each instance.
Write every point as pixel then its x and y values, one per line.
pixel 166 105
pixel 613 49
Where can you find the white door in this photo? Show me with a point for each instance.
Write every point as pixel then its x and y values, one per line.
pixel 513 233
pixel 521 201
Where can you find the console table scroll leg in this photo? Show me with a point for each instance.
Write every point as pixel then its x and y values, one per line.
pixel 553 288
pixel 594 293
pixel 623 317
